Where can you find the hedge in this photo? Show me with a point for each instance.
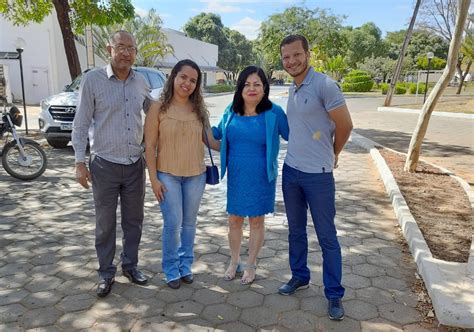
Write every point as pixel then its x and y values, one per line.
pixel 357 81
pixel 219 88
pixel 412 88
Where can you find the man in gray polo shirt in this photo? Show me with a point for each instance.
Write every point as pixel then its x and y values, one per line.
pixel 110 103
pixel 320 125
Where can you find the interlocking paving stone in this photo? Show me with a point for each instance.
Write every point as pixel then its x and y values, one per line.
pixel 43 283
pixel 183 310
pixel 209 296
pixel 399 313
pixel 77 320
pixel 299 321
pixel 281 303
pixel 245 299
pixel 40 317
pixel 374 295
pixel 360 310
pixel 389 283
pixel 42 299
pixel 221 313
pixel 56 259
pixel 10 296
pixel 261 316
pixel 11 312
pixel 235 326
pixel 368 270
pixel 76 302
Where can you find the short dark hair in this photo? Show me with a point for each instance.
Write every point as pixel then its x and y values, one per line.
pixel 238 102
pixel 292 38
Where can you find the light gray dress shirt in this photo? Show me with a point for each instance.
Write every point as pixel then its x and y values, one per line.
pixel 110 112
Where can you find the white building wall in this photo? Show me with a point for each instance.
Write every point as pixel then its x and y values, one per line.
pixel 45 68
pixel 204 54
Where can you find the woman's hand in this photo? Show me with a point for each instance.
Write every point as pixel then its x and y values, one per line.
pixel 159 190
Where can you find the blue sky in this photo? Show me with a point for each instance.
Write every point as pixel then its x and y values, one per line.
pixel 245 16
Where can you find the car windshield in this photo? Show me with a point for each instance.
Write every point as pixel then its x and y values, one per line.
pixel 74 86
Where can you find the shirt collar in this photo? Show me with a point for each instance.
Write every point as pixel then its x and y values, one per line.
pixel 110 72
pixel 307 79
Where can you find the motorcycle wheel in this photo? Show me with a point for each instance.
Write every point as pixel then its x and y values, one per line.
pixel 29 167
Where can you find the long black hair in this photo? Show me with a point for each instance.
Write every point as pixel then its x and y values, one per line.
pixel 238 103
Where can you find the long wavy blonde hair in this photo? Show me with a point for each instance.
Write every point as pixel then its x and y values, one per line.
pixel 196 97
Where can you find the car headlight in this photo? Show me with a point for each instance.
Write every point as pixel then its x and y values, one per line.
pixel 44 105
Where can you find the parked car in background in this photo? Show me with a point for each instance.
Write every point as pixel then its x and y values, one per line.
pixel 57 111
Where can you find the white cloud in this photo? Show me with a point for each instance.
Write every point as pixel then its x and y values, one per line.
pixel 248 27
pixel 141 12
pixel 219 7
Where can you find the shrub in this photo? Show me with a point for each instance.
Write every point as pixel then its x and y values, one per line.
pixel 219 88
pixel 357 81
pixel 400 89
pixel 384 87
pixel 412 88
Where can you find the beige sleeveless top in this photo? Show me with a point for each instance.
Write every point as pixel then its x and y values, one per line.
pixel 180 146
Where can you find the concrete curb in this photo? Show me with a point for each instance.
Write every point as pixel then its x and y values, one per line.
pixel 450 285
pixel 413 111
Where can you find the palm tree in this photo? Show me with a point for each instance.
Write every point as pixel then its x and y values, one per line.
pixel 151 41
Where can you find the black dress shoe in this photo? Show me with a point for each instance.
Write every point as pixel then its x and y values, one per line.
pixel 136 276
pixel 175 284
pixel 188 279
pixel 105 286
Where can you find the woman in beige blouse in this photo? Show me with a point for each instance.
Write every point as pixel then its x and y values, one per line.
pixel 175 160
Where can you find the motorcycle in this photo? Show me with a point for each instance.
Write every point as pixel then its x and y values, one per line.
pixel 22 158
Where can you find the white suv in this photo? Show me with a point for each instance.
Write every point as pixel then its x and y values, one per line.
pixel 57 111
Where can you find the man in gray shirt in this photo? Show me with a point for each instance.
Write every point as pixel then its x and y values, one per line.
pixel 110 104
pixel 320 125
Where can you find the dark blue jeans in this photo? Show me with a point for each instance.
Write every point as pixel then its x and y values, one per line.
pixel 316 190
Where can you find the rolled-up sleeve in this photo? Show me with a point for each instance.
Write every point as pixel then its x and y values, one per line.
pixel 83 119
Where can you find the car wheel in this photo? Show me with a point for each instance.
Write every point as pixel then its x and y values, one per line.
pixel 58 143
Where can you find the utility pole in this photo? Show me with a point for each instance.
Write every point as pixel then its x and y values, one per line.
pixel 401 56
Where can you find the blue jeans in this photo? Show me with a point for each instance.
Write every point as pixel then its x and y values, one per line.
pixel 317 190
pixel 179 208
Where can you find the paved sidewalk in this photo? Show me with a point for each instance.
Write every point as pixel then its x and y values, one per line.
pixel 48 262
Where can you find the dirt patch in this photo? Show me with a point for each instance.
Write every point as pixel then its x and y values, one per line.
pixel 439 205
pixel 453 105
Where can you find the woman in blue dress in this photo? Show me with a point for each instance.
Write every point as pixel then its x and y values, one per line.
pixel 250 131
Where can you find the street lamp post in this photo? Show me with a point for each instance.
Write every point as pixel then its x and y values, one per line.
pixel 20 45
pixel 430 56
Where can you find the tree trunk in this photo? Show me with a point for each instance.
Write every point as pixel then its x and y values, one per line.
pixel 463 76
pixel 422 125
pixel 62 12
pixel 398 67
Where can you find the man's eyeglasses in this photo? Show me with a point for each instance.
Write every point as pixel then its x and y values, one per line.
pixel 123 48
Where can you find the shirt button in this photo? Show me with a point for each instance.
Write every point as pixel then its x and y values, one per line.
pixel 128 114
pixel 126 99
pixel 128 129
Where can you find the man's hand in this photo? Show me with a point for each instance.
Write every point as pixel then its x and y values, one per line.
pixel 83 176
pixel 336 160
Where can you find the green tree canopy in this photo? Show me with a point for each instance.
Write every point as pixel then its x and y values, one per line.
pixel 151 41
pixel 363 42
pixel 235 51
pixel 322 29
pixel 207 27
pixel 73 16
